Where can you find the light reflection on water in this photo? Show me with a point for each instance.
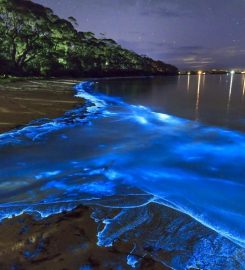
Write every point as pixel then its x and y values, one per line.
pixel 145 163
pixel 188 83
pixel 230 92
pixel 198 96
pixel 212 99
pixel 243 91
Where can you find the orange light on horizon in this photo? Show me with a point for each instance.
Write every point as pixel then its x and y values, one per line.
pixel 200 72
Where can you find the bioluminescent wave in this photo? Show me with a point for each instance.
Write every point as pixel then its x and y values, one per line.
pixel 129 157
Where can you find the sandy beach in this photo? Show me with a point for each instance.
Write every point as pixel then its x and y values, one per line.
pixel 109 231
pixel 63 241
pixel 22 101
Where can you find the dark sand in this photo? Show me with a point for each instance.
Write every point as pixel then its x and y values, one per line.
pixel 65 241
pixel 27 100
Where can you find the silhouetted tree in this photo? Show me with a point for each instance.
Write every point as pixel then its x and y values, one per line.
pixel 33 40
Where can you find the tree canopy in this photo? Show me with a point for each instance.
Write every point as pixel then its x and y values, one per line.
pixel 34 41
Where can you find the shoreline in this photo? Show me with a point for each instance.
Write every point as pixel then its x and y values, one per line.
pixel 67 240
pixel 25 99
pixel 62 241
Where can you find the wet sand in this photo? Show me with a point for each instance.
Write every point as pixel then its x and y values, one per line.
pixel 66 241
pixel 61 242
pixel 26 100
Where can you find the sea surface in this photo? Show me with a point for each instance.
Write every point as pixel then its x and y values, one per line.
pixel 168 153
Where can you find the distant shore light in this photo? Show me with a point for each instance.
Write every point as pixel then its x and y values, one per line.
pixel 199 72
pixel 233 72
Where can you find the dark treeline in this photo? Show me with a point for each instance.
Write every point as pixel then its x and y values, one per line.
pixel 36 42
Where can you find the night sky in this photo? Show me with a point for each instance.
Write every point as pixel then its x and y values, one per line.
pixel 191 34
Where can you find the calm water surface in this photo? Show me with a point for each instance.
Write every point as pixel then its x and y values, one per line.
pixel 212 99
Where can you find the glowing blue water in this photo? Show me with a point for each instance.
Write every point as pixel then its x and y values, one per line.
pixel 124 156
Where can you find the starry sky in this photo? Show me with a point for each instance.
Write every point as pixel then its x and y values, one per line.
pixel 191 34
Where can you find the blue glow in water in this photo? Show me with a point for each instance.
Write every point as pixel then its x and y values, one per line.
pixel 47 174
pixel 132 260
pixel 126 156
pixel 86 267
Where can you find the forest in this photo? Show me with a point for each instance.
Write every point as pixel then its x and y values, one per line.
pixel 36 42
